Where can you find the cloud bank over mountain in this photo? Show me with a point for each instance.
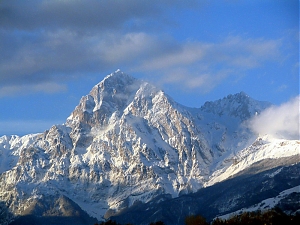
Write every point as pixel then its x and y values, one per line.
pixel 195 51
pixel 280 121
pixel 55 41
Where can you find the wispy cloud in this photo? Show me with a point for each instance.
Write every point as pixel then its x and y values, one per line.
pixel 280 121
pixel 181 54
pixel 233 51
pixel 205 65
pixel 43 40
pixel 80 15
pixel 47 87
pixel 59 55
pixel 49 41
pixel 246 52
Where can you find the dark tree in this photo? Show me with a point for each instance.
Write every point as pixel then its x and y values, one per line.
pixel 158 223
pixel 109 222
pixel 195 220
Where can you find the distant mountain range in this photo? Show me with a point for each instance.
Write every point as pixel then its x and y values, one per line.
pixel 131 153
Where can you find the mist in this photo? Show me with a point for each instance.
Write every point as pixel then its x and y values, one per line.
pixel 279 121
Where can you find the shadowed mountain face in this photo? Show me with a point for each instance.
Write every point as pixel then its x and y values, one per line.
pixel 5 215
pixel 126 143
pixel 228 196
pixel 53 210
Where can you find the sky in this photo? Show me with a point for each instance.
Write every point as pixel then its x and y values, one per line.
pixel 54 51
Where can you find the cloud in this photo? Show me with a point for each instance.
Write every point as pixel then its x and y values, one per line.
pixel 204 65
pixel 187 80
pixel 79 14
pixel 61 54
pixel 48 87
pixel 180 55
pixel 232 51
pixel 247 53
pixel 280 121
pixel 43 40
pixel 52 41
pixel 58 55
pixel 131 47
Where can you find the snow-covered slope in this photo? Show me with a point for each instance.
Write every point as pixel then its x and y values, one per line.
pixel 265 147
pixel 259 186
pixel 129 142
pixel 270 203
pixel 10 149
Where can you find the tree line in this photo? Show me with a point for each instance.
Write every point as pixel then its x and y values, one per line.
pixel 271 217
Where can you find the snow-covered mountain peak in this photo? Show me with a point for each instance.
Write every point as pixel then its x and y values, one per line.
pixel 112 94
pixel 239 105
pixel 116 94
pixel 127 142
pixel 115 79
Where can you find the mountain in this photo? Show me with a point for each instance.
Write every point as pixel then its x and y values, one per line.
pixel 128 143
pixel 268 183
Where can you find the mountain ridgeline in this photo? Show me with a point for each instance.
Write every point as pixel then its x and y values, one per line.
pixel 128 144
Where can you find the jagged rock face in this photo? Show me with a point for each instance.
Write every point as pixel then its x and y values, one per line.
pixel 277 187
pixel 125 142
pixel 239 105
pixel 106 98
pixel 50 210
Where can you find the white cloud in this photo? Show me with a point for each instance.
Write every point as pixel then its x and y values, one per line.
pixel 131 47
pixel 53 40
pixel 54 55
pixel 46 87
pixel 231 52
pixel 182 55
pixel 280 121
pixel 203 66
pixel 247 53
pixel 188 80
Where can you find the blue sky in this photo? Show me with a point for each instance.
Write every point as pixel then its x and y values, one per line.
pixel 54 52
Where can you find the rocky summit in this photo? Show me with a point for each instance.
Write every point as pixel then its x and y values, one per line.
pixel 128 143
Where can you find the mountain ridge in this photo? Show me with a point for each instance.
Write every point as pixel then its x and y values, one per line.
pixel 128 142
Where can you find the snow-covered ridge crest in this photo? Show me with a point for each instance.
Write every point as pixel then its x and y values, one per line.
pixel 239 105
pixel 112 94
pixel 10 149
pixel 128 142
pixel 265 147
pixel 264 205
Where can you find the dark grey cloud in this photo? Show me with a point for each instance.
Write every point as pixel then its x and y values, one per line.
pixel 51 56
pixel 45 41
pixel 78 14
pixel 54 56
